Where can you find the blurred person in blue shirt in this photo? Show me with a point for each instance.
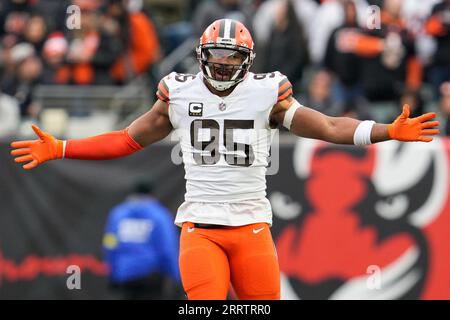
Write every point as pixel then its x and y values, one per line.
pixel 141 248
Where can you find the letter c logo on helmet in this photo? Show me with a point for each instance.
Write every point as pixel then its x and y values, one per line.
pixel 233 38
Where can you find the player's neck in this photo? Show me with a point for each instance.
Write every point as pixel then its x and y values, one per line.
pixel 223 93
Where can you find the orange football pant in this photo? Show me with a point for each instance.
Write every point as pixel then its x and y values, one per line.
pixel 245 256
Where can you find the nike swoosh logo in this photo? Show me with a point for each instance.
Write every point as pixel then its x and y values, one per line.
pixel 190 229
pixel 255 231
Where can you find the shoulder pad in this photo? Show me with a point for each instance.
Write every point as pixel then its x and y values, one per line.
pixel 171 81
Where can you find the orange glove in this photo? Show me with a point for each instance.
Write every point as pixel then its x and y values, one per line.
pixel 37 151
pixel 413 129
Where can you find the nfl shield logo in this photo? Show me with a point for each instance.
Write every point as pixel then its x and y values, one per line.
pixel 222 106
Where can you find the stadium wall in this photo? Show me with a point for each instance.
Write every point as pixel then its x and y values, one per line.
pixel 349 223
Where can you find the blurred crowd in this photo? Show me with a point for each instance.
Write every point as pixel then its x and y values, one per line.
pixel 344 57
pixel 50 42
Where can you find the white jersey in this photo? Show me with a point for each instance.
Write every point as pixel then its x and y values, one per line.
pixel 225 143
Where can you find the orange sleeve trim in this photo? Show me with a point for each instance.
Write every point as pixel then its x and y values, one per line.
pixel 106 146
pixel 161 96
pixel 163 87
pixel 163 91
pixel 284 89
pixel 284 86
pixel 288 93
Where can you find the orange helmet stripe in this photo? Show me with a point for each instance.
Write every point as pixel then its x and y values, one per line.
pixel 227 28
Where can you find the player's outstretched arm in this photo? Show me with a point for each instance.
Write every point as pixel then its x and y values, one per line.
pixel 149 128
pixel 309 123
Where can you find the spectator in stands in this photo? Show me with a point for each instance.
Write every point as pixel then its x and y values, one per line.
pixel 8 6
pixel 53 54
pixel 13 28
pixel 108 51
pixel 415 14
pixel 344 65
pixel 390 65
pixel 415 101
pixel 209 11
pixel 35 32
pixel 438 25
pixel 138 37
pixel 87 56
pixel 264 18
pixel 83 45
pixel 320 98
pixel 445 107
pixel 141 248
pixel 54 12
pixel 26 73
pixel 319 94
pixel 357 107
pixel 287 50
pixel 329 16
pixel 9 115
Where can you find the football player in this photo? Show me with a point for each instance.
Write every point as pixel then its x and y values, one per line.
pixel 225 115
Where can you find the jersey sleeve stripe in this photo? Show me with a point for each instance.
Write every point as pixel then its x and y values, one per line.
pixel 163 88
pixel 162 96
pixel 286 88
pixel 286 94
pixel 283 82
pixel 283 87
